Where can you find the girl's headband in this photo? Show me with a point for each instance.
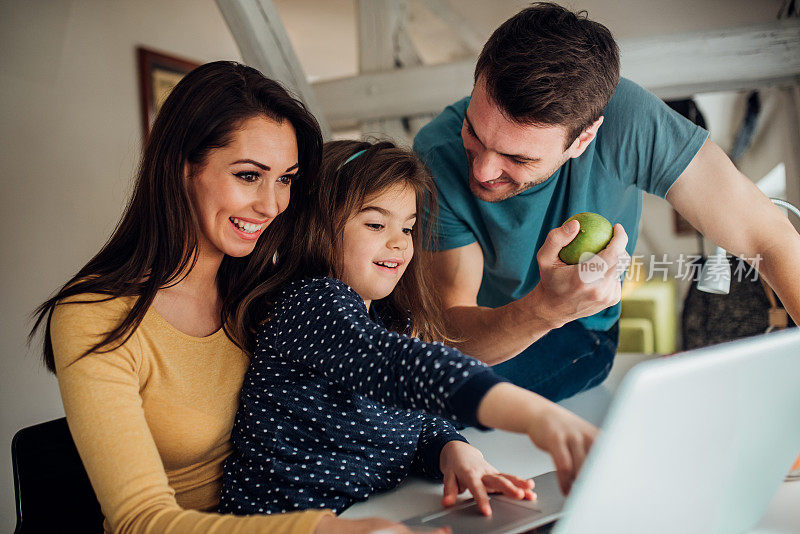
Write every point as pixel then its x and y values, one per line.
pixel 354 156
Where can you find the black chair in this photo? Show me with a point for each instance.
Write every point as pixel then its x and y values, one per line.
pixel 52 490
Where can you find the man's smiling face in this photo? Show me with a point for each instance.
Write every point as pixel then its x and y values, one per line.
pixel 506 157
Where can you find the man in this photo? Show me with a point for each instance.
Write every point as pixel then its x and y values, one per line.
pixel 550 130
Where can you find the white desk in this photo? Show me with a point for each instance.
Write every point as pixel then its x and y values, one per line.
pixel 515 454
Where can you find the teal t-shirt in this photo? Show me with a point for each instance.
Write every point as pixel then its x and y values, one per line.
pixel 642 145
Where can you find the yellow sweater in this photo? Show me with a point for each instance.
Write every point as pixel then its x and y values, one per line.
pixel 152 420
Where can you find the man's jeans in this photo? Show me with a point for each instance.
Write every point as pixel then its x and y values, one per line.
pixel 564 362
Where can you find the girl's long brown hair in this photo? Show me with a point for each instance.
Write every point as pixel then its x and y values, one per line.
pixel 156 239
pixel 340 192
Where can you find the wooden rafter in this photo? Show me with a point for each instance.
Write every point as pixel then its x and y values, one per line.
pixel 460 26
pixel 383 45
pixel 671 66
pixel 264 44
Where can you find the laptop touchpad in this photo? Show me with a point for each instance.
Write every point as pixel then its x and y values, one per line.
pixel 469 520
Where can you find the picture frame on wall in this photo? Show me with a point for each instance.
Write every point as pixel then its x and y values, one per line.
pixel 158 74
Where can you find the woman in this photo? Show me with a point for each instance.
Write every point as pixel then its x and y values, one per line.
pixel 140 338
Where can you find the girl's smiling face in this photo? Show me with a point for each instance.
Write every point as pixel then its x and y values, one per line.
pixel 243 186
pixel 376 244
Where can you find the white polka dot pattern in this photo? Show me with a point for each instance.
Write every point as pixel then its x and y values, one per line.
pixel 330 409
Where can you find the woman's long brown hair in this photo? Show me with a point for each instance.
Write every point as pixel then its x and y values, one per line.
pixel 156 239
pixel 340 192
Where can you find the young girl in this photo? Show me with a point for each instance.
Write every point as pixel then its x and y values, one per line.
pixel 346 360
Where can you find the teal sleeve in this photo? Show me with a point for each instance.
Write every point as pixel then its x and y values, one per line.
pixel 451 231
pixel 648 144
pixel 444 159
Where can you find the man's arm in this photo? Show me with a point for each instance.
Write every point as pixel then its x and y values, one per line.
pixel 494 335
pixel 727 208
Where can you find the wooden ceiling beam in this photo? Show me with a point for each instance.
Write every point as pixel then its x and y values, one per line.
pixel 671 66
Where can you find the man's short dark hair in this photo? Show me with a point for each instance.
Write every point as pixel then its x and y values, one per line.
pixel 549 66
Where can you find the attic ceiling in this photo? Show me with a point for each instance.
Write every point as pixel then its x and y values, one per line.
pixel 323 33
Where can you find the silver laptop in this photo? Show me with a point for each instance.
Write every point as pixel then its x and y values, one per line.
pixel 694 443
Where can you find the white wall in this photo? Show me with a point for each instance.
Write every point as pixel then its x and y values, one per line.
pixel 69 117
pixel 71 131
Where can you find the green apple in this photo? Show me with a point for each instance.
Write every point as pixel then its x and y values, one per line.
pixel 594 235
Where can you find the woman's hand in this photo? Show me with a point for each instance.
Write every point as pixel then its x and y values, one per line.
pixel 330 524
pixel 464 468
pixel 566 437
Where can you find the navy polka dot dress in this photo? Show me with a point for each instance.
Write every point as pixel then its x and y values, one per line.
pixel 331 408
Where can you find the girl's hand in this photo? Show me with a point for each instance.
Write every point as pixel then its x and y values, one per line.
pixel 566 437
pixel 330 524
pixel 556 430
pixel 464 468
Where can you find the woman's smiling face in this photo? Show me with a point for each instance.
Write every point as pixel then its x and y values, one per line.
pixel 243 186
